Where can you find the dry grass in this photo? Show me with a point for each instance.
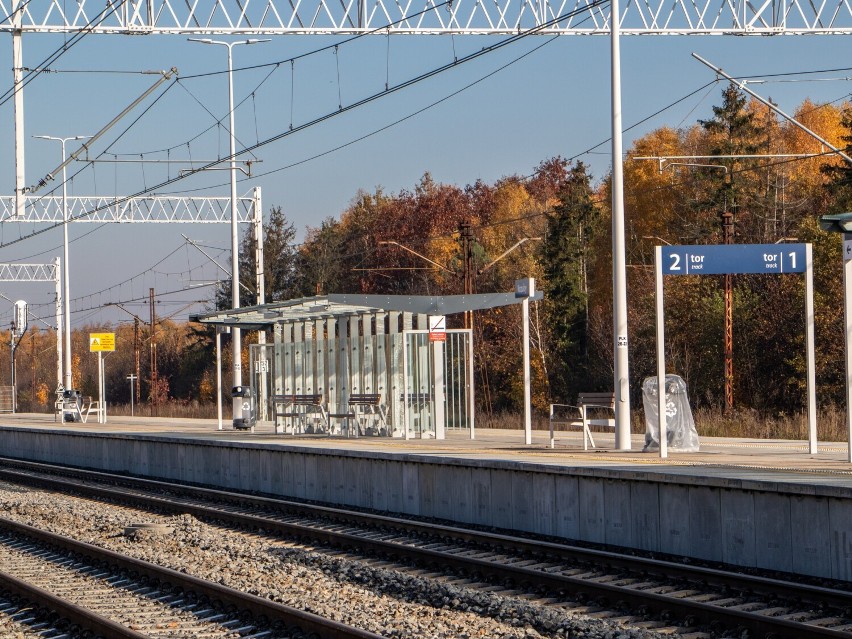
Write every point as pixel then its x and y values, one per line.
pixel 709 422
pixel 187 410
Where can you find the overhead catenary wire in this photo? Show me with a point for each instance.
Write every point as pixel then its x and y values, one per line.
pixel 60 51
pixel 359 103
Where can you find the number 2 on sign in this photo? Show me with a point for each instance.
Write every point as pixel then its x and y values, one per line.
pixel 675 265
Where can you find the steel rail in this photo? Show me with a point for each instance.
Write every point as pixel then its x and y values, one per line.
pixel 593 556
pixel 258 606
pixel 86 619
pixel 706 613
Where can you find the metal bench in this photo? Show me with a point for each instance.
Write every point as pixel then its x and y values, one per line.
pixel 578 415
pixel 297 408
pixel 88 406
pixel 363 406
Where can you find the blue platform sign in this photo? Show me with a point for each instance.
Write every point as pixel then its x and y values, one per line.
pixel 722 259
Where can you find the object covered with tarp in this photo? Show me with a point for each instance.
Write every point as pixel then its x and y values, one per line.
pixel 680 427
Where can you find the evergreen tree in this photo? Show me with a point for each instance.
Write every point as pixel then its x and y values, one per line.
pixel 279 260
pixel 570 228
pixel 839 175
pixel 733 130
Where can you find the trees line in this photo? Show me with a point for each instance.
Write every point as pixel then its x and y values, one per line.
pixel 554 225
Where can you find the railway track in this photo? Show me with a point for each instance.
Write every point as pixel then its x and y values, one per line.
pixel 108 594
pixel 719 600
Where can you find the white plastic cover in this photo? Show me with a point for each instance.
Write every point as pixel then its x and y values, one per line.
pixel 680 426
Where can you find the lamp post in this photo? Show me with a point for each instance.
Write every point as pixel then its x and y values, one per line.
pixel 131 377
pixel 235 274
pixel 65 277
pixel 842 223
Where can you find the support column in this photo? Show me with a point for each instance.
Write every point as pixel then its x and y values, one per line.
pixel 525 305
pixel 619 258
pixel 331 383
pixel 18 106
pixel 438 382
pixel 367 353
pixel 57 270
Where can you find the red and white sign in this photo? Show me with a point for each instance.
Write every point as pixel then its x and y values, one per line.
pixel 437 328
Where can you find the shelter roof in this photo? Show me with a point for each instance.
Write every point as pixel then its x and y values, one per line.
pixel 301 309
pixel 345 305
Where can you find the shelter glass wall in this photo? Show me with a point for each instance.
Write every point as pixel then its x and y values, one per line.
pixel 339 357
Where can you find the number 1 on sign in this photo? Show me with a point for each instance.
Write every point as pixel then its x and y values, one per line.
pixel 792 260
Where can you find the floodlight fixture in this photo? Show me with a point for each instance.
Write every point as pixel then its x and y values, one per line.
pixel 836 223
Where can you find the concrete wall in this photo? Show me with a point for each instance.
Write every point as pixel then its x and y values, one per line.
pixel 801 527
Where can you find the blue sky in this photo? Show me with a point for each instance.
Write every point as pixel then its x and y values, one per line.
pixel 554 101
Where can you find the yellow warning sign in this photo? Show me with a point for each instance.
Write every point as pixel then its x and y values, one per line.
pixel 101 342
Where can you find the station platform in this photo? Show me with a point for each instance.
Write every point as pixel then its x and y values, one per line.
pixel 749 502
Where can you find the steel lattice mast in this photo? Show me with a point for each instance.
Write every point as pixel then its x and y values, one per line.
pixel 152 209
pixel 461 17
pixel 41 273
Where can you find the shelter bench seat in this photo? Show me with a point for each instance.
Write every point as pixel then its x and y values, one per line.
pixel 579 415
pixel 297 408
pixel 363 406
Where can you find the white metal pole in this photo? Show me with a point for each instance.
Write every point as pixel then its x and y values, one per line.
pixel 470 398
pixel 219 376
pixel 619 260
pixel 259 269
pixel 100 387
pixel 847 316
pixel 66 288
pixel 661 353
pixel 18 106
pixel 236 345
pixel 809 335
pixel 58 326
pixel 131 377
pixel 405 389
pixel 65 276
pixel 525 305
pixel 438 382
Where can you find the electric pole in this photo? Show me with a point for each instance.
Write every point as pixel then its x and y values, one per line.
pixel 728 238
pixel 467 265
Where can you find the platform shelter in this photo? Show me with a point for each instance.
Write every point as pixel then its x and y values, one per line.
pixel 328 353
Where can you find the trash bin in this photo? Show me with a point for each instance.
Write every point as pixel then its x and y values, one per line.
pixel 244 407
pixel 680 426
pixel 71 401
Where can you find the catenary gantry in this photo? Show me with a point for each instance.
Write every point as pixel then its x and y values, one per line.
pixel 472 17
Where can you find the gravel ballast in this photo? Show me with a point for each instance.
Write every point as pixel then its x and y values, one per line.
pixel 352 591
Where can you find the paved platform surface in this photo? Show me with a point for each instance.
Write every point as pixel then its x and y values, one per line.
pixel 719 457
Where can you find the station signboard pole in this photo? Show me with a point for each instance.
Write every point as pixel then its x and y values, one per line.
pixel 842 223
pixel 723 259
pixel 100 343
pixel 847 318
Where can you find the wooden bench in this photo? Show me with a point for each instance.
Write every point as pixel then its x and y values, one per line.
pixel 362 406
pixel 579 415
pixel 296 408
